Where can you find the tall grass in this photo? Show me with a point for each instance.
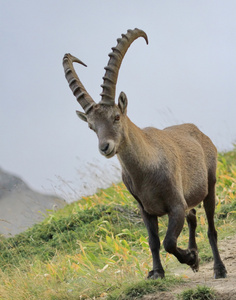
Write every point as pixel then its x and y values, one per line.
pixel 95 247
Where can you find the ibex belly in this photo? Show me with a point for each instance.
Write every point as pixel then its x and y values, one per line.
pixel 197 193
pixel 194 180
pixel 158 195
pixel 160 202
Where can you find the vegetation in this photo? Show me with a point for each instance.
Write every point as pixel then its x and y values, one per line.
pixel 97 247
pixel 200 293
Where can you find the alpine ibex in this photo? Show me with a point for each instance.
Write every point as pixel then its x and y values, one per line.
pixel 168 171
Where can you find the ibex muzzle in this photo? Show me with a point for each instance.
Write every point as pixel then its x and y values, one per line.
pixel 168 171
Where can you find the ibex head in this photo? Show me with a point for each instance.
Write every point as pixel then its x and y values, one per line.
pixel 106 118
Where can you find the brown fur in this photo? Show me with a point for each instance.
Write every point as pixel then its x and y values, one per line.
pixel 168 171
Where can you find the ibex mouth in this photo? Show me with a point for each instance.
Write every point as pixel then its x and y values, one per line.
pixel 111 154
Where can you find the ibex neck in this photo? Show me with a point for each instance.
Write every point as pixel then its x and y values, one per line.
pixel 137 149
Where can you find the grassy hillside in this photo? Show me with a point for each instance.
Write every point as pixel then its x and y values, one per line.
pixel 97 248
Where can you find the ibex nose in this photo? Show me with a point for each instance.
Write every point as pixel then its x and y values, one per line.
pixel 107 147
pixel 104 147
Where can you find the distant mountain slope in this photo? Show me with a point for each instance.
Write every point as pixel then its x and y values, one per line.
pixel 20 206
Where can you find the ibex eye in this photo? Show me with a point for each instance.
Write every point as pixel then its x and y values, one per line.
pixel 117 117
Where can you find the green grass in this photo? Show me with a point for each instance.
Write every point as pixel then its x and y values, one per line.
pixel 143 287
pixel 97 247
pixel 199 293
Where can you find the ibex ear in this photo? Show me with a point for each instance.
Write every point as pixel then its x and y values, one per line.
pixel 122 102
pixel 81 115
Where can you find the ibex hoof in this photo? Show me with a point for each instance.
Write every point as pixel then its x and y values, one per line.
pixel 220 272
pixel 155 274
pixel 194 261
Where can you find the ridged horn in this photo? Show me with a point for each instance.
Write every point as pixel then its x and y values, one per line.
pixel 79 91
pixel 114 63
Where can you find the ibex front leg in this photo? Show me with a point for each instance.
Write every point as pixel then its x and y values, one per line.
pixel 154 244
pixel 175 226
pixel 192 245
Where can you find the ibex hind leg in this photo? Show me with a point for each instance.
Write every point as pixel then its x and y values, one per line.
pixel 209 206
pixel 175 226
pixel 192 245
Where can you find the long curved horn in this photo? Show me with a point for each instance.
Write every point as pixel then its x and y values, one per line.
pixel 79 91
pixel 113 66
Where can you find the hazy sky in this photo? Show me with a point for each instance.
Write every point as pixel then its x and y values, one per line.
pixel 187 73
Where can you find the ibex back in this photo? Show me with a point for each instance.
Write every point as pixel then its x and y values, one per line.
pixel 167 171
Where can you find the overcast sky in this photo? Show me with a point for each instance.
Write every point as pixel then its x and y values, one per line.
pixel 187 73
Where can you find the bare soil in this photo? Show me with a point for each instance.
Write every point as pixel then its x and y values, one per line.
pixel 225 288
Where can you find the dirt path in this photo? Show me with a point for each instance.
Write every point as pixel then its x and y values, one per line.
pixel 226 288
